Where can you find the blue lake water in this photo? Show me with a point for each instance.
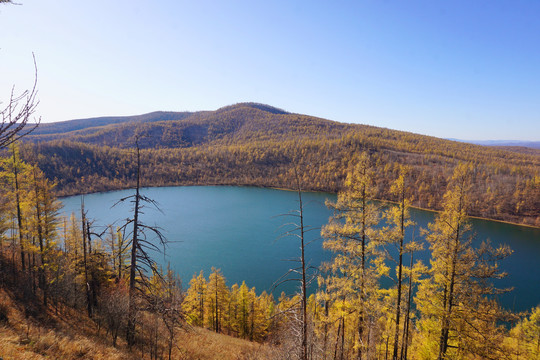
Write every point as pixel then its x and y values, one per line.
pixel 238 229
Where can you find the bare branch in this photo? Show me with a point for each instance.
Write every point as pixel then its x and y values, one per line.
pixel 18 112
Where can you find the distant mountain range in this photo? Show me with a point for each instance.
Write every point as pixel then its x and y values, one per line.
pixel 504 143
pixel 259 145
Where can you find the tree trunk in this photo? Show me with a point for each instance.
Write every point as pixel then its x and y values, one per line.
pixel 302 259
pixel 85 261
pixel 130 335
pixel 400 274
pixel 41 271
pixel 405 342
pixel 18 201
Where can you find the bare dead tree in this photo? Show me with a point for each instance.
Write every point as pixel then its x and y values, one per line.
pixel 300 273
pixel 85 259
pixel 166 302
pixel 113 309
pixel 17 114
pixel 141 244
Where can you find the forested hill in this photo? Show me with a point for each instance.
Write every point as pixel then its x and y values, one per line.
pixel 256 144
pixel 70 128
pixel 235 123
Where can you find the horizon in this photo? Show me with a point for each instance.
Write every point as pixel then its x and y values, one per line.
pixel 450 70
pixel 472 141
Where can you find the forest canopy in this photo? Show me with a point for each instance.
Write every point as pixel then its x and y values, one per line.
pixel 256 145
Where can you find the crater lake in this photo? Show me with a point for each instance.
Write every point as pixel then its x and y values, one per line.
pixel 240 230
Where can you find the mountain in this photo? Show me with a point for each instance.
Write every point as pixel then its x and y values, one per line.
pixel 72 127
pixel 520 143
pixel 259 145
pixel 503 143
pixel 173 130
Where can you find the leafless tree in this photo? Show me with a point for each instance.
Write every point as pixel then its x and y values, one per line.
pixel 17 114
pixel 113 309
pixel 299 273
pixel 141 244
pixel 166 303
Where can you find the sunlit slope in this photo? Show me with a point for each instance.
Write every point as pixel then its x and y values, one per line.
pixel 255 144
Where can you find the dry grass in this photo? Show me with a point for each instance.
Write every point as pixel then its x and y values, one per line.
pixel 77 347
pixel 11 346
pixel 53 345
pixel 73 335
pixel 203 344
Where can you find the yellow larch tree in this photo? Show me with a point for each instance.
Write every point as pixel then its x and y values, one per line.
pixel 397 218
pixel 352 283
pixel 216 300
pixel 194 304
pixel 454 300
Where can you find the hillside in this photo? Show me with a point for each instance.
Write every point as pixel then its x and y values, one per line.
pixel 258 145
pixel 69 127
pixel 243 122
pixel 30 331
pixel 521 149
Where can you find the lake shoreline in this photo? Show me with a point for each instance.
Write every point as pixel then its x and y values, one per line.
pixel 303 191
pixel 236 228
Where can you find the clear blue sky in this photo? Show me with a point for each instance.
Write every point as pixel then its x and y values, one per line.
pixel 454 69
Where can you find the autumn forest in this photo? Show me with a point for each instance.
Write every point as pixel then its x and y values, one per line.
pixel 54 268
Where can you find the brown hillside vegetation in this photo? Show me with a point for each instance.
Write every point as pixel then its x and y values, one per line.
pixel 257 145
pixel 30 331
pixel 64 289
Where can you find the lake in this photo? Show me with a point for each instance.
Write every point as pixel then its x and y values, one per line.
pixel 239 230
